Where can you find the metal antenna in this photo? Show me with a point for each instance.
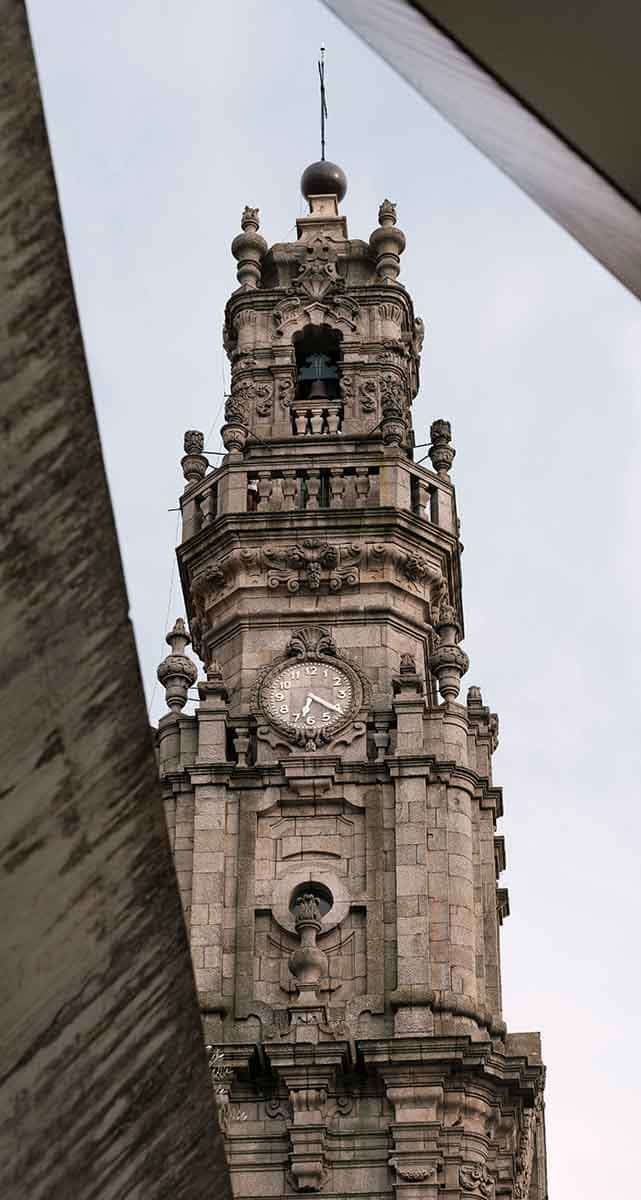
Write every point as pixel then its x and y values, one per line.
pixel 321 72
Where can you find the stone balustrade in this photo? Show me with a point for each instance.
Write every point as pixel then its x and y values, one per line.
pixel 290 490
pixel 233 488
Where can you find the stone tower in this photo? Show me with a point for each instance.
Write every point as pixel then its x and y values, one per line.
pixel 330 801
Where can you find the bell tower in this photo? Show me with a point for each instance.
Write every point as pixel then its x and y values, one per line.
pixel 331 801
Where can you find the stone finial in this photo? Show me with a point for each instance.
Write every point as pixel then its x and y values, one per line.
pixel 441 452
pixel 176 672
pixel 194 464
pixel 234 432
pixel 387 213
pixel 387 243
pixel 249 248
pixel 448 662
pixel 307 963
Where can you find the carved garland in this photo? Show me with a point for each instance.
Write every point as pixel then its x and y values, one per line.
pixel 312 562
pixel 414 1173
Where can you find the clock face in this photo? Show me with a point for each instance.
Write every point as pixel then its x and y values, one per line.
pixel 308 696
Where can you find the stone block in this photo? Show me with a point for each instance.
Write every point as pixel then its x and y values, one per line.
pixel 410 834
pixel 207 887
pixel 410 881
pixel 457 865
pixel 437 886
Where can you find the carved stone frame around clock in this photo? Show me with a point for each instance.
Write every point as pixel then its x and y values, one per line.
pixel 329 655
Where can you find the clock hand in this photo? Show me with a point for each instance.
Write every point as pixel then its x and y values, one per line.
pixel 326 703
pixel 306 707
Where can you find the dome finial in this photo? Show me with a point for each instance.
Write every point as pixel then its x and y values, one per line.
pixel 323 178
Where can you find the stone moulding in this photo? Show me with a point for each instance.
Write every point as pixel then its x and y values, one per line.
pixel 414 1172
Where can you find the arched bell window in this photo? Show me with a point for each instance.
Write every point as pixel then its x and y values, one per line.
pixel 317 363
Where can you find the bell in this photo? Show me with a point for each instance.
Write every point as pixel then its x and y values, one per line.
pixel 318 390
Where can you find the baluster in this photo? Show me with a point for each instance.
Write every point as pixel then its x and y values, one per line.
pixel 361 483
pixel 290 490
pixel 313 489
pixel 317 422
pixel 191 517
pixel 350 494
pixel 300 421
pixel 336 487
pixel 332 420
pixel 277 499
pixel 423 492
pixel 264 491
pixel 208 506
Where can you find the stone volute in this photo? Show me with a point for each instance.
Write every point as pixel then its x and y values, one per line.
pixel 448 662
pixel 387 243
pixel 176 672
pixel 249 247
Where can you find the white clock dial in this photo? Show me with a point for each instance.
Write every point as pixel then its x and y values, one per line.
pixel 309 695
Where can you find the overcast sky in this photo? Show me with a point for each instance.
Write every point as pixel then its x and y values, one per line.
pixel 168 116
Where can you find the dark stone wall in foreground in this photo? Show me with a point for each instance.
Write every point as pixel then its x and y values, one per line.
pixel 104 1087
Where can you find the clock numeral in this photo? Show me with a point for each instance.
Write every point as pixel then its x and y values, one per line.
pixel 337 679
pixel 284 709
pixel 279 695
pixel 295 717
pixel 341 693
pixel 310 720
pixel 311 669
pixel 326 717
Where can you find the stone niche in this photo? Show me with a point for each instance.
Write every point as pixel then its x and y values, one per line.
pixel 322 845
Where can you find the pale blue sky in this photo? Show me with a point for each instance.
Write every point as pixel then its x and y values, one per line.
pixel 166 118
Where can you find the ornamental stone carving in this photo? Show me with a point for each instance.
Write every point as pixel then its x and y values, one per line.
pixel 441 452
pixel 369 395
pixel 307 962
pixel 448 662
pixel 249 248
pixel 387 243
pixel 476 1179
pixel 194 464
pixel 312 563
pixel 525 1152
pixel 311 640
pixel 177 672
pixel 221 1077
pixel 393 397
pixel 317 273
pixel 414 1172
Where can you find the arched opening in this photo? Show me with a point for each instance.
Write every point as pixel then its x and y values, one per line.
pixel 318 405
pixel 318 350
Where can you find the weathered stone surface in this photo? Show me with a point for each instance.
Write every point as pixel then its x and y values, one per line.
pixel 355 875
pixel 104 1087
